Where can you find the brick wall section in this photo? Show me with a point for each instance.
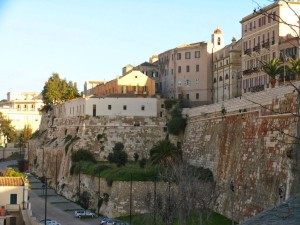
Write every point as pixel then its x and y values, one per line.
pixel 248 147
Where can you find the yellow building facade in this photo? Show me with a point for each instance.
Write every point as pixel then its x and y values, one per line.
pixel 133 83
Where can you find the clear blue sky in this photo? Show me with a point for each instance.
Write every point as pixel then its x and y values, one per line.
pixel 93 39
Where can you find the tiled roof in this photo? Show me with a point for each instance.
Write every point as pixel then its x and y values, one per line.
pixel 11 181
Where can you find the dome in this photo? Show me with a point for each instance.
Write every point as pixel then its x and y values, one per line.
pixel 217 31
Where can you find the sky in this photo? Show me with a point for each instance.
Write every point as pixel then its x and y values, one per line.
pixel 94 39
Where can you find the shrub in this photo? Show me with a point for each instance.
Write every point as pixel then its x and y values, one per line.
pixel 136 157
pixel 83 155
pixel 143 162
pixel 169 103
pixel 119 156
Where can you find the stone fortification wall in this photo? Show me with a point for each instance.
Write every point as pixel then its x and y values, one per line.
pixel 247 140
pixel 50 154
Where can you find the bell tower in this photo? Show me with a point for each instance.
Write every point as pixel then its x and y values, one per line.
pixel 217 38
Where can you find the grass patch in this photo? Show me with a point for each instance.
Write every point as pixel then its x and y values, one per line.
pixel 113 173
pixel 148 219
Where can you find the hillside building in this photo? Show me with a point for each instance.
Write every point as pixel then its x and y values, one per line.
pixel 227 72
pixel 185 72
pixel 22 109
pixel 134 83
pixel 263 32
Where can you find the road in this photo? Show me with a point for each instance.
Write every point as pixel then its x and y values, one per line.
pixel 58 207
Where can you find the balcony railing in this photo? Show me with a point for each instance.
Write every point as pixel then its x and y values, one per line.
pixel 251 70
pixel 266 44
pixel 14 207
pixel 256 48
pixel 247 51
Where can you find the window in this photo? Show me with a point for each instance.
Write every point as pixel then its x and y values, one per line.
pixel 13 221
pixel 226 77
pixel 219 41
pixel 172 71
pixel 124 107
pixel 187 82
pixel 143 108
pixel 187 55
pixel 178 56
pixel 187 96
pixel 197 82
pixel 179 69
pixel 179 83
pixel 197 95
pixel 94 110
pixel 162 106
pixel 215 80
pixel 187 69
pixel 109 107
pixel 197 54
pixel 220 78
pixel 13 199
pixel 197 68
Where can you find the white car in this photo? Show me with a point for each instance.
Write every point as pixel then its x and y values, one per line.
pixel 49 222
pixel 86 213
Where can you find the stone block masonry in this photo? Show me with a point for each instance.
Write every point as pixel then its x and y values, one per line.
pixel 252 144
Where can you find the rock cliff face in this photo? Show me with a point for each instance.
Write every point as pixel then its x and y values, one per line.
pixel 250 141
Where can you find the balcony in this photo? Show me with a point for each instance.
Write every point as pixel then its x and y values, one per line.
pixel 266 44
pixel 247 51
pixel 256 48
pixel 13 208
pixel 251 70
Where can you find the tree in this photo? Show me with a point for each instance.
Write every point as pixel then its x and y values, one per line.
pixel 7 130
pixel 25 135
pixel 177 123
pixel 189 190
pixel 164 152
pixel 272 68
pixel 57 90
pixel 118 156
pixel 85 200
pixel 294 67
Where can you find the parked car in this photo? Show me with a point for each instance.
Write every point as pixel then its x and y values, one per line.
pixel 85 213
pixel 49 222
pixel 110 221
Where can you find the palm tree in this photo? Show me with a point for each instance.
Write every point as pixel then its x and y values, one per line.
pixel 272 68
pixel 165 152
pixel 294 67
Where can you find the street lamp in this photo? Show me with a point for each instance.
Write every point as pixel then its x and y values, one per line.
pixel 46 187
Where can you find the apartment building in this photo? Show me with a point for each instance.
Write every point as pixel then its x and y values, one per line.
pixel 185 72
pixel 22 108
pixel 227 72
pixel 263 31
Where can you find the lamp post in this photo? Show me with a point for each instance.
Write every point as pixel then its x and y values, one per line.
pixel 46 188
pixel 232 200
pixel 99 194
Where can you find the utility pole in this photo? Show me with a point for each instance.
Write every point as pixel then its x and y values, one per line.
pixel 46 189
